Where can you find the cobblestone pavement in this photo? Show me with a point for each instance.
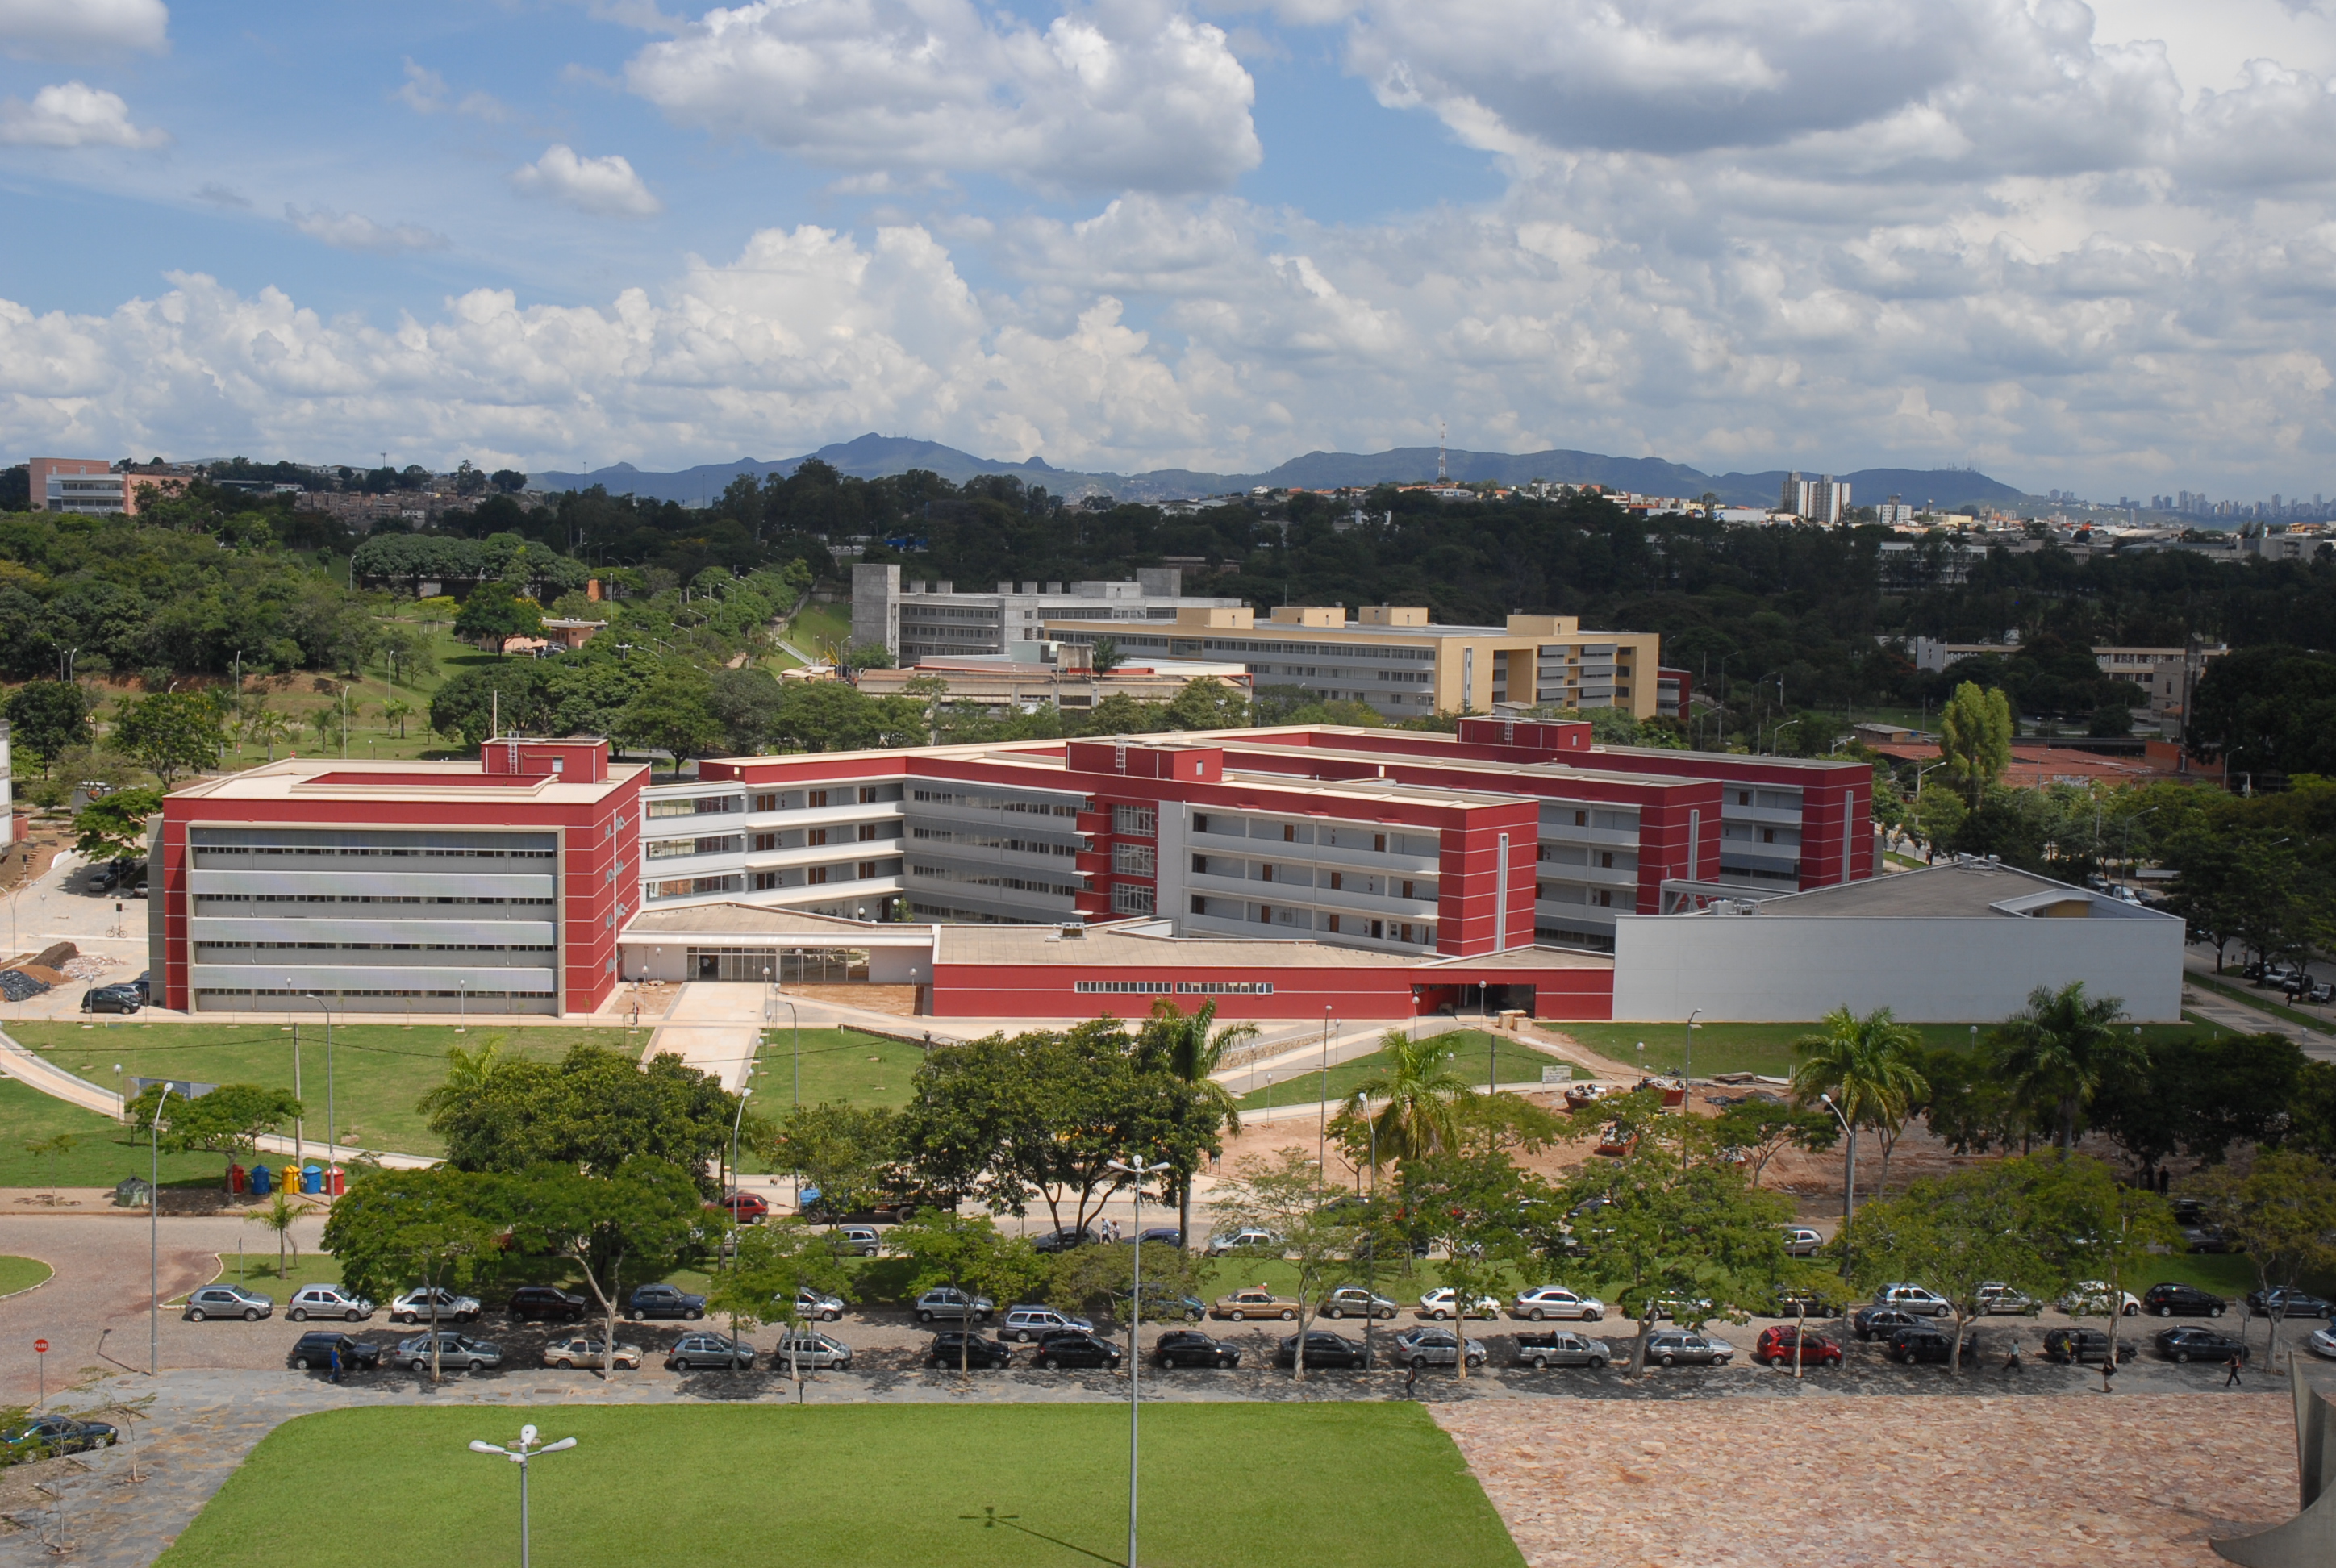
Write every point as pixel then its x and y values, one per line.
pixel 2079 1482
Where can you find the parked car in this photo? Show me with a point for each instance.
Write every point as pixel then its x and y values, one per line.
pixel 584 1350
pixel 1996 1298
pixel 2082 1345
pixel 1800 1241
pixel 1803 1303
pixel 1434 1347
pixel 663 1301
pixel 745 1208
pixel 1247 1239
pixel 1562 1347
pixel 1439 1304
pixel 1257 1301
pixel 2205 1238
pixel 2194 1344
pixel 1160 1303
pixel 1928 1343
pixel 1680 1309
pixel 2174 1301
pixel 327 1302
pixel 456 1352
pixel 857 1241
pixel 1323 1348
pixel 1076 1348
pixel 416 1306
pixel 1024 1322
pixel 1162 1236
pixel 948 1303
pixel 812 1351
pixel 2280 1302
pixel 1065 1237
pixel 977 1352
pixel 1545 1301
pixel 314 1350
pixel 702 1349
pixel 143 985
pixel 816 1306
pixel 2090 1299
pixel 2323 1342
pixel 1775 1347
pixel 1881 1322
pixel 110 999
pixel 1914 1298
pixel 1355 1301
pixel 1191 1347
pixel 45 1436
pixel 227 1301
pixel 549 1303
pixel 1669 1347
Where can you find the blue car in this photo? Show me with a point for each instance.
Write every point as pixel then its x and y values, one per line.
pixel 663 1301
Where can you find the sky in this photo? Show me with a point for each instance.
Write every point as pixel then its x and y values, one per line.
pixel 2087 247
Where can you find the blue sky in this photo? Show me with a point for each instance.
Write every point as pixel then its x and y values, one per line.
pixel 2080 247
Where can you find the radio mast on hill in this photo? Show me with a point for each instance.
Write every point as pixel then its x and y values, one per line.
pixel 1443 472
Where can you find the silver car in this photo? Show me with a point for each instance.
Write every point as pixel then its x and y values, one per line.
pixel 1249 1238
pixel 949 1304
pixel 456 1352
pixel 1354 1302
pixel 1672 1345
pixel 1434 1347
pixel 229 1301
pixel 417 1305
pixel 1545 1301
pixel 1562 1347
pixel 1915 1298
pixel 816 1306
pixel 1027 1322
pixel 812 1351
pixel 327 1302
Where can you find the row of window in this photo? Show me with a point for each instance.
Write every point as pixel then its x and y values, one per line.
pixel 976 801
pixel 990 842
pixel 208 947
pixel 991 880
pixel 1136 822
pixel 202 851
pixel 820 799
pixel 1328 835
pixel 347 991
pixel 203 900
pixel 1135 860
pixel 1176 988
pixel 1626 900
pixel 820 876
pixel 1133 899
pixel 1307 920
pixel 1576 855
pixel 1612 821
pixel 1362 882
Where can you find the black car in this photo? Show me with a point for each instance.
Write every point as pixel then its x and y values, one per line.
pixel 2082 1345
pixel 1881 1322
pixel 1927 1343
pixel 143 985
pixel 955 1347
pixel 1065 1239
pixel 2280 1302
pixel 663 1301
pixel 1074 1348
pixel 1805 1304
pixel 2198 1345
pixel 313 1351
pixel 1191 1347
pixel 1323 1348
pixel 719 1351
pixel 45 1436
pixel 2173 1301
pixel 110 999
pixel 548 1302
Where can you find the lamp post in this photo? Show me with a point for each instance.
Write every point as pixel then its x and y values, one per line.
pixel 1322 1132
pixel 332 1151
pixel 1848 1180
pixel 1137 1173
pixel 731 1197
pixel 1686 1077
pixel 519 1454
pixel 797 1018
pixel 155 1236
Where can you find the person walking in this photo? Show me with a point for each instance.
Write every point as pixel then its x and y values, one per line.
pixel 2012 1358
pixel 2109 1371
pixel 334 1376
pixel 1410 1382
pixel 2232 1366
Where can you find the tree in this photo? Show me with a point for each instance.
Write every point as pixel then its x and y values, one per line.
pixel 229 1120
pixel 48 1149
pixel 594 1110
pixel 437 1228
pixel 396 711
pixel 2100 1229
pixel 673 713
pixel 869 656
pixel 268 727
pixel 1472 1202
pixel 493 613
pixel 1422 1092
pixel 1104 656
pixel 1867 1067
pixel 773 1265
pixel 1207 704
pixel 1938 819
pixel 2054 1053
pixel 627 1227
pixel 1762 1129
pixel 172 733
pixel 848 1153
pixel 1192 1050
pixel 1285 1196
pixel 968 1254
pixel 1102 1279
pixel 46 717
pixel 519 693
pixel 1954 1233
pixel 282 1212
pixel 1120 713
pixel 1969 1107
pixel 114 827
pixel 2208 883
pixel 1975 732
pixel 2280 1215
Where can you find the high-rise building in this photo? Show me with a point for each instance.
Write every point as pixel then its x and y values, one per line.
pixel 917 621
pixel 1821 500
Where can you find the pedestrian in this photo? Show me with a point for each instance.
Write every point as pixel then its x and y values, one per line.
pixel 2109 1371
pixel 2233 1364
pixel 1410 1382
pixel 334 1374
pixel 2012 1358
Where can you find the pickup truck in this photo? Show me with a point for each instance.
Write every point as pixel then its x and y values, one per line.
pixel 1562 1347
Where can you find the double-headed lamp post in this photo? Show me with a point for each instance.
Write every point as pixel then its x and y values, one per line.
pixel 1137 1173
pixel 155 1236
pixel 519 1454
pixel 1848 1177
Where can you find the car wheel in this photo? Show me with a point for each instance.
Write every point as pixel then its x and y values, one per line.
pixel 401 1317
pixel 693 1314
pixel 300 1363
pixel 828 1317
pixel 478 1366
pixel 1047 1363
pixel 1328 1312
pixel 251 1314
pixel 2132 1308
pixel 419 1364
pixel 1591 1317
pixel 1417 1362
pixel 298 1314
pixel 2216 1313
pixel 1540 1363
pixel 1539 1316
pixel 1671 1360
pixel 1287 1317
pixel 924 1316
pixel 567 1364
pixel 673 1367
pixel 1236 1317
pixel 2165 1311
pixel 195 1314
pixel 1440 1314
pixel 354 1315
pixel 2180 1356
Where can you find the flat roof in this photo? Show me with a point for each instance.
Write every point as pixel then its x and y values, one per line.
pixel 732 919
pixel 327 778
pixel 1119 947
pixel 1485 766
pixel 1966 888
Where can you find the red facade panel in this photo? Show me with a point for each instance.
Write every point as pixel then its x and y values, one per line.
pixel 1339 992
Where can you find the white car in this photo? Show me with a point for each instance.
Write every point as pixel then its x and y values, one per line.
pixel 1800 1241
pixel 816 1306
pixel 2090 1299
pixel 327 1302
pixel 417 1305
pixel 1914 1298
pixel 1545 1301
pixel 812 1351
pixel 1437 1304
pixel 2323 1342
pixel 1247 1239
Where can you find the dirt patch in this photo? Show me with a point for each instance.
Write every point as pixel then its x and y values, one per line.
pixel 901 1001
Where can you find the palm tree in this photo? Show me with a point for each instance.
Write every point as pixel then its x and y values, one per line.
pixel 1181 1043
pixel 1865 1067
pixel 279 1216
pixel 1422 1090
pixel 2057 1050
pixel 269 728
pixel 396 711
pixel 469 1075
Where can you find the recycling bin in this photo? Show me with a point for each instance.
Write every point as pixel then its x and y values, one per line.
pixel 312 1179
pixel 336 1182
pixel 261 1179
pixel 235 1178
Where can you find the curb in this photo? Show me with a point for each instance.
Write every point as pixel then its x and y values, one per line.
pixel 36 1284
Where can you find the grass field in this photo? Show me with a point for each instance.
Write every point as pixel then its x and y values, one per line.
pixel 21 1274
pixel 842 1066
pixel 817 626
pixel 1472 1059
pixel 1341 1485
pixel 103 1150
pixel 1747 1047
pixel 379 1070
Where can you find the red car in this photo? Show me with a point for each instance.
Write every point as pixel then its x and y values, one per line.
pixel 745 1208
pixel 1775 1347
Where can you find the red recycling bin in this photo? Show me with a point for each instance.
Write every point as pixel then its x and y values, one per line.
pixel 235 1178
pixel 336 1182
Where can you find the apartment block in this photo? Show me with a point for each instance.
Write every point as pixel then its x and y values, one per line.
pixel 1824 499
pixel 924 620
pixel 1393 658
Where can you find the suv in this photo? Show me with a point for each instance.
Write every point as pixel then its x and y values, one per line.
pixel 548 1302
pixel 811 1349
pixel 2081 1345
pixel 1027 1322
pixel 1076 1348
pixel 315 1349
pixel 229 1301
pixel 419 1305
pixel 1775 1347
pixel 949 1301
pixel 327 1302
pixel 663 1301
pixel 110 999
pixel 1997 1297
pixel 2170 1300
pixel 975 1350
pixel 1914 1298
pixel 1927 1343
pixel 1547 1301
pixel 716 1350
pixel 1668 1347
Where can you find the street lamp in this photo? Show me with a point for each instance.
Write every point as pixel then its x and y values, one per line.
pixel 154 1235
pixel 331 1144
pixel 797 1017
pixel 1137 1173
pixel 1849 1177
pixel 519 1454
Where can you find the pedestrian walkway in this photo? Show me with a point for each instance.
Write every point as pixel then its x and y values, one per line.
pixel 2217 1007
pixel 715 1026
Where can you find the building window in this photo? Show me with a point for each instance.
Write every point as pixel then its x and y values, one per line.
pixel 1606 860
pixel 1200 905
pixel 867 832
pixel 1265 914
pixel 815 836
pixel 1338 881
pixel 1134 860
pixel 1334 924
pixel 867 870
pixel 1744 798
pixel 1131 899
pixel 762 882
pixel 816 875
pixel 1605 899
pixel 1378 843
pixel 869 795
pixel 1581 819
pixel 698 805
pixel 1139 821
pixel 1200 823
pixel 815 798
pixel 1407 888
pixel 1768 835
pixel 766 803
pixel 766 841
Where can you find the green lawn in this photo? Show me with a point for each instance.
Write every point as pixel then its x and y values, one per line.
pixel 1341 1485
pixel 842 1066
pixel 103 1150
pixel 1747 1047
pixel 1473 1053
pixel 2263 1001
pixel 379 1070
pixel 21 1274
pixel 818 624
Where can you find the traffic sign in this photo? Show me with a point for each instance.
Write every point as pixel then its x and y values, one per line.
pixel 40 1347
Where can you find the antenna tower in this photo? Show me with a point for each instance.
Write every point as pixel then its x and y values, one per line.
pixel 1443 470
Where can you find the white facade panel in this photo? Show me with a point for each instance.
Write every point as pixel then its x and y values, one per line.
pixel 332 929
pixel 540 981
pixel 453 882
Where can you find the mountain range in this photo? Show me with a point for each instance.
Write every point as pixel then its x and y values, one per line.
pixel 873 456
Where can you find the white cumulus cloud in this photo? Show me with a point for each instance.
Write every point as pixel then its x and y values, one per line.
pixel 1119 95
pixel 425 92
pixel 606 186
pixel 73 114
pixel 354 231
pixel 81 29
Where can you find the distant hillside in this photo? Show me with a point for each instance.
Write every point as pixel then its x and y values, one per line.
pixel 873 456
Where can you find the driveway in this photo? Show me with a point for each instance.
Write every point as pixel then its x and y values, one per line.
pixel 715 1026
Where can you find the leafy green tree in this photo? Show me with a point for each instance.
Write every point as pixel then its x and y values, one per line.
pixel 1120 713
pixel 46 717
pixel 436 1228
pixel 228 1121
pixel 1102 1279
pixel 2054 1052
pixel 746 703
pixel 2209 884
pixel 774 1263
pixel 673 713
pixel 1938 819
pixel 1954 1233
pixel 2282 1214
pixel 1969 1107
pixel 1189 1046
pixel 1472 1203
pixel 172 733
pixel 520 691
pixel 492 612
pixel 1422 1092
pixel 1760 1130
pixel 1105 657
pixel 1207 704
pixel 1975 732
pixel 968 1254
pixel 869 656
pixel 594 1110
pixel 2098 1229
pixel 850 1152
pixel 1868 1068
pixel 1285 1195
pixel 48 1149
pixel 627 1227
pixel 114 827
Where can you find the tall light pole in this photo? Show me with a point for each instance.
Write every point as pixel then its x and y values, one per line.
pixel 154 1235
pixel 1138 1173
pixel 1686 1077
pixel 331 1143
pixel 1322 1132
pixel 1848 1180
pixel 731 1196
pixel 797 1017
pixel 519 1454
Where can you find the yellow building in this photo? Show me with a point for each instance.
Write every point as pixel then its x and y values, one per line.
pixel 1393 658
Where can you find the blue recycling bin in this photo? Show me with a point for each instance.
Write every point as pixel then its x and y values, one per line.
pixel 262 1178
pixel 312 1178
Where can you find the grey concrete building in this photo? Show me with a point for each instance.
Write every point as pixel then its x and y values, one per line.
pixel 920 618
